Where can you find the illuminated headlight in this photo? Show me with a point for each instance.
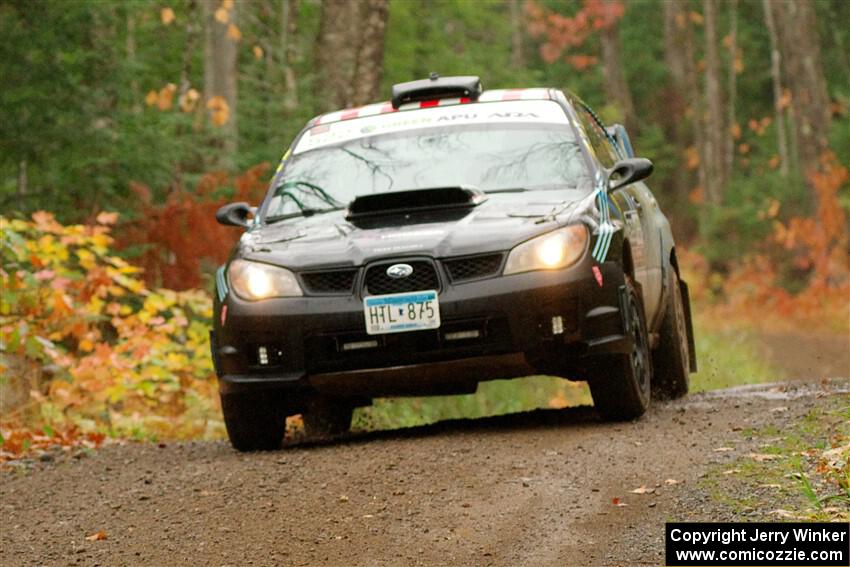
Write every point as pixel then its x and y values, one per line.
pixel 253 281
pixel 552 251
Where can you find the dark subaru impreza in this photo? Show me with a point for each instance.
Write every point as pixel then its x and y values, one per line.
pixel 447 237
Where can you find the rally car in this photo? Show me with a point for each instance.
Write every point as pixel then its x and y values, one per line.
pixel 449 236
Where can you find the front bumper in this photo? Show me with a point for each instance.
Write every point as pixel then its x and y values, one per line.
pixel 304 337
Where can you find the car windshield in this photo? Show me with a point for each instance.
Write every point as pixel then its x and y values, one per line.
pixel 491 157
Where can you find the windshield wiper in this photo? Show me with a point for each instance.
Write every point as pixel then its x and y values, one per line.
pixel 552 187
pixel 507 190
pixel 306 212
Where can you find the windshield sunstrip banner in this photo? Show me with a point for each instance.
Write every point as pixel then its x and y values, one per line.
pixel 508 112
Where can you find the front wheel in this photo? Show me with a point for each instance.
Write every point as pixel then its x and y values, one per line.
pixel 620 383
pixel 254 422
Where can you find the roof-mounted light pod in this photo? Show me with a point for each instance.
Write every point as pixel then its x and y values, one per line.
pixel 436 87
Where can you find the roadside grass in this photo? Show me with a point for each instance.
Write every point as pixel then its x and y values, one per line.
pixel 729 357
pixel 492 398
pixel 799 472
pixel 726 358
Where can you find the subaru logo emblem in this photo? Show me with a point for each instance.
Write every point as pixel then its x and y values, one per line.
pixel 398 271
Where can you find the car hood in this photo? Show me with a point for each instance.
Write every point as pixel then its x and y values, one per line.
pixel 329 239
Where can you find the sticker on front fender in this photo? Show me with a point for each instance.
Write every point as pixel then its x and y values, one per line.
pixel 401 312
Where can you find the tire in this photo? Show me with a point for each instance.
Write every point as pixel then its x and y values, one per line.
pixel 671 360
pixel 621 383
pixel 254 422
pixel 325 416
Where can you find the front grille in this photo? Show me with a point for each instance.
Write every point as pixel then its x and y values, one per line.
pixel 473 267
pixel 336 281
pixel 424 276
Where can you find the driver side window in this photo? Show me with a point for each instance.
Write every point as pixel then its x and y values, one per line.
pixel 598 139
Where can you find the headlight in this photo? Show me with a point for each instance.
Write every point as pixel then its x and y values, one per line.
pixel 552 251
pixel 253 281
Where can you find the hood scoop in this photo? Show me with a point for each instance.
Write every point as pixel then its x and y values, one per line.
pixel 414 201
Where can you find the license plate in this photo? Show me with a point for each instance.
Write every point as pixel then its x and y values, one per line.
pixel 401 312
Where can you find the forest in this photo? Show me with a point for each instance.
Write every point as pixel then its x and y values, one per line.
pixel 125 125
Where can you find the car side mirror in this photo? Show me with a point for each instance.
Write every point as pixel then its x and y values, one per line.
pixel 234 214
pixel 628 171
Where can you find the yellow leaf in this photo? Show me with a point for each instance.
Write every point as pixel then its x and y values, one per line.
pixel 233 32
pixel 227 4
pixel 189 100
pixel 222 15
pixel 151 98
pixel 166 15
pixel 258 52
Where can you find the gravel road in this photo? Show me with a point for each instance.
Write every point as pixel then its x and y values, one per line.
pixel 538 488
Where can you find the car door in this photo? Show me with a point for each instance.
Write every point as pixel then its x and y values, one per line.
pixel 638 207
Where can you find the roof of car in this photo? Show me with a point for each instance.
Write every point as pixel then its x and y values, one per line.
pixel 495 95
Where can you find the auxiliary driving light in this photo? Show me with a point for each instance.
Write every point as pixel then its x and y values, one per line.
pixel 358 345
pixel 557 325
pixel 461 335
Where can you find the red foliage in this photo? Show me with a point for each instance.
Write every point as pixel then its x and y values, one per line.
pixel 561 33
pixel 183 233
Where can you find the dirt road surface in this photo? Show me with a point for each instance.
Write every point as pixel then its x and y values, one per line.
pixel 538 488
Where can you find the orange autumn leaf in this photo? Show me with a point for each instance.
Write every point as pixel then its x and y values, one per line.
pixel 258 52
pixel 696 18
pixel 107 218
pixel 151 98
pixel 697 196
pixel 166 15
pixel 581 62
pixel 785 99
pixel 735 130
pixel 165 97
pixel 219 110
pixel 774 161
pixel 233 32
pixel 97 536
pixel 692 158
pixel 222 15
pixel 744 148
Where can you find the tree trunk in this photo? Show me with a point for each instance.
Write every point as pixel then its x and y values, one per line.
pixel 776 77
pixel 220 72
pixel 676 96
pixel 517 26
pixel 800 46
pixel 616 87
pixel 350 52
pixel 679 54
pixel 713 97
pixel 336 54
pixel 729 153
pixel 366 83
pixel 289 51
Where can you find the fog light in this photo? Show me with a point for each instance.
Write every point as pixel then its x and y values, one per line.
pixel 557 325
pixel 461 335
pixel 263 355
pixel 359 345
